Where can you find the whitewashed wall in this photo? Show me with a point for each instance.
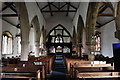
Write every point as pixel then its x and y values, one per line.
pixel 58 18
pixel 13 30
pixel 108 38
pixel 32 40
pixel 0 36
pixel 82 10
pixel 33 11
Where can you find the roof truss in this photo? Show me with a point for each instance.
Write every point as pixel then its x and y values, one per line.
pixel 59 8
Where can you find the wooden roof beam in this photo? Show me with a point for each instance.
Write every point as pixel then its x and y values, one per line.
pixel 68 7
pixel 103 9
pixel 46 6
pixel 71 5
pixel 107 22
pixel 9 15
pixel 98 23
pixel 10 5
pixel 50 9
pixel 55 6
pixel 104 14
pixel 63 6
pixel 59 11
pixel 4 8
pixel 8 22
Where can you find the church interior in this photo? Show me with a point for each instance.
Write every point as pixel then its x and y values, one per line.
pixel 59 40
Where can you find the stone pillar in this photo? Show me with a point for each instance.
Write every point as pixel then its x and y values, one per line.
pixel 80 27
pixel 44 36
pixel 74 36
pixel 37 45
pixel 84 46
pixel 0 33
pixel 0 38
pixel 79 45
pixel 36 27
pixel 91 25
pixel 74 40
pixel 117 21
pixel 25 28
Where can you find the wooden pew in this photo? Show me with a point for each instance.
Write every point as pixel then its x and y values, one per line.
pixel 21 72
pixel 47 61
pixel 72 61
pixel 13 68
pixel 98 75
pixel 89 68
pixel 44 68
pixel 25 75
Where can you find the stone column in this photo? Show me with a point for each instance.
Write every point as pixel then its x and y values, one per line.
pixel 74 36
pixel 74 40
pixel 117 21
pixel 44 36
pixel 25 28
pixel 0 32
pixel 0 38
pixel 84 46
pixel 80 27
pixel 91 25
pixel 36 27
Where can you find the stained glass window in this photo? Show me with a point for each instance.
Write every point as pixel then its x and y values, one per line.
pixel 98 42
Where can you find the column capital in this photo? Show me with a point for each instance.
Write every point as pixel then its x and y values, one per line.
pixel 117 34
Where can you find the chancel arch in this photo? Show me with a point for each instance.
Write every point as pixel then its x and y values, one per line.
pixel 59 40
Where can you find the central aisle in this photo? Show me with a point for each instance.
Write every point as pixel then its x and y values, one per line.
pixel 58 69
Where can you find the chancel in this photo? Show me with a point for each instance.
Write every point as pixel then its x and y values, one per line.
pixel 60 40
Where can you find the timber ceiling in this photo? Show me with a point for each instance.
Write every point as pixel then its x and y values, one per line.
pixel 49 9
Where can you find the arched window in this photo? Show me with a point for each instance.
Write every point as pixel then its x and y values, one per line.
pixel 18 44
pixel 18 38
pixel 7 43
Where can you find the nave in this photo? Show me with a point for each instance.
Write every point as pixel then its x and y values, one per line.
pixel 60 40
